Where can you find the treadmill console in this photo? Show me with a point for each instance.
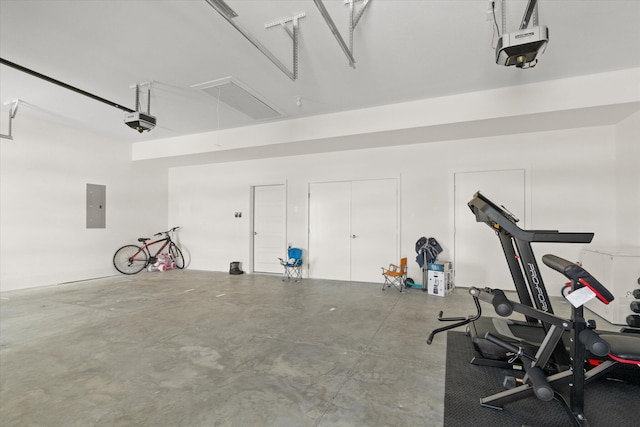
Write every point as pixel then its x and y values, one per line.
pixel 499 218
pixel 499 208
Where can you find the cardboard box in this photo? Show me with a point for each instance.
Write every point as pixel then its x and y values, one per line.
pixel 440 266
pixel 439 279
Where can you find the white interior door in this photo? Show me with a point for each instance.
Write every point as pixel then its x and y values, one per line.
pixel 374 228
pixel 329 230
pixel 269 239
pixel 479 259
pixel 353 229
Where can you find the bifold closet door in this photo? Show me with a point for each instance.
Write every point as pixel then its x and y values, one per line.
pixel 353 229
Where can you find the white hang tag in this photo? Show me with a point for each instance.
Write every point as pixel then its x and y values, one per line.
pixel 580 296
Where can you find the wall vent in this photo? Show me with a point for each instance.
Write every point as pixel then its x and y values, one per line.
pixel 240 97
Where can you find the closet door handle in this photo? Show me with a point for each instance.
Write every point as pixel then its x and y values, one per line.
pixel 353 236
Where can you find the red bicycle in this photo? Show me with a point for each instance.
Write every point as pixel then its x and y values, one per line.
pixel 132 259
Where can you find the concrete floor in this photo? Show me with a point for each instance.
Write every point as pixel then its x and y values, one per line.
pixel 193 348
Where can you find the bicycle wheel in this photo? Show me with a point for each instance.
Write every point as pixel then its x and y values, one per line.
pixel 130 259
pixel 176 255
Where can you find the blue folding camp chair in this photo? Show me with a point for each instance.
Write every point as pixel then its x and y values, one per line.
pixel 292 265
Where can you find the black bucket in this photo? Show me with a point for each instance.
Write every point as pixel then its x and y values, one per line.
pixel 234 268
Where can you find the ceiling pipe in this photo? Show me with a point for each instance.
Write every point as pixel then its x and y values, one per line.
pixel 64 85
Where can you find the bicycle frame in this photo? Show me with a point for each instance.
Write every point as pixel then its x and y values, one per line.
pixel 145 247
pixel 131 259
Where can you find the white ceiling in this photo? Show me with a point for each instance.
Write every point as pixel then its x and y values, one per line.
pixel 404 50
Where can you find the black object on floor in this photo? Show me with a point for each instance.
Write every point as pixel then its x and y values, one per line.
pixel 607 402
pixel 234 268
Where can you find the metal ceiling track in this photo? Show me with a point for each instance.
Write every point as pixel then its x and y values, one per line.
pixel 353 22
pixel 229 14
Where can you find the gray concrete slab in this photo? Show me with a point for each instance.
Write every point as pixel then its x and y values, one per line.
pixel 193 348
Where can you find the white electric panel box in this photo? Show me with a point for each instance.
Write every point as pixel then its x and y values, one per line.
pixel 618 269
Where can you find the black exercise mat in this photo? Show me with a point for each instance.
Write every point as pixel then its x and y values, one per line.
pixel 607 402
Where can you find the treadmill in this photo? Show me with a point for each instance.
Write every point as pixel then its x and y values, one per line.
pixel 516 245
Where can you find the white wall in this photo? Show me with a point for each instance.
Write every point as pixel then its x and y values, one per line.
pixel 571 176
pixel 43 177
pixel 628 181
pixel 581 164
pixel 204 198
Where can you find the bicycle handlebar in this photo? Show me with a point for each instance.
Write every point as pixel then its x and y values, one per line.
pixel 168 231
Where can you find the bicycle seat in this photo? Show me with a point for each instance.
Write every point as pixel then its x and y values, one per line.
pixel 143 239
